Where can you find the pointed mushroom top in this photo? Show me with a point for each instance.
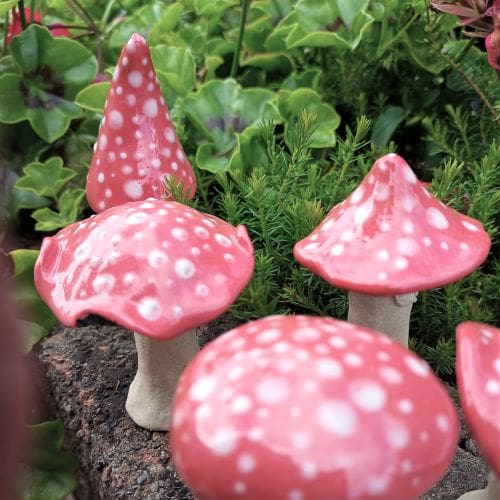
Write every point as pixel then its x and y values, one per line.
pixel 392 236
pixel 137 145
pixel 478 380
pixel 156 267
pixel 292 407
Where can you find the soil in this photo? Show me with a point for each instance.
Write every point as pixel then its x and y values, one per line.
pixel 84 374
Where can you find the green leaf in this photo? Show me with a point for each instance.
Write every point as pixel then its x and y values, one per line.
pixel 24 291
pixel 70 207
pixel 6 5
pixel 176 68
pixel 323 23
pixel 167 23
pixel 19 199
pixel 349 9
pixel 93 97
pixel 142 21
pixel 45 179
pixel 13 109
pixel 281 62
pixel 293 103
pixel 221 111
pixel 386 124
pixel 51 471
pixel 32 334
pixel 210 8
pixel 417 43
pixel 54 70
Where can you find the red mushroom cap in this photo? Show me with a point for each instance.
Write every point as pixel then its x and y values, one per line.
pixel 392 236
pixel 478 380
pixel 156 267
pixel 299 407
pixel 137 145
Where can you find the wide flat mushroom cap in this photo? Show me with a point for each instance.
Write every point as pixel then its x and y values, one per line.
pixel 137 145
pixel 478 380
pixel 156 267
pixel 296 407
pixel 392 236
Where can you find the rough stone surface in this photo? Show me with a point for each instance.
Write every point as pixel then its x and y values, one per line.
pixel 84 374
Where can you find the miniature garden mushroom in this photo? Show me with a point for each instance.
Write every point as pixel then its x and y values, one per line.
pixel 157 267
pixel 478 380
pixel 388 240
pixel 137 146
pixel 303 408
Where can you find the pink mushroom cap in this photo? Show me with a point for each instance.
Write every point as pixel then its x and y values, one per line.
pixel 156 267
pixel 303 408
pixel 392 236
pixel 137 145
pixel 478 380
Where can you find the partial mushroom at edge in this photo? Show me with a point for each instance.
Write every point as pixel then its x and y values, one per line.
pixel 478 381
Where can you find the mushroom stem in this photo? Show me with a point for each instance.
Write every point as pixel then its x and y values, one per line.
pixel 386 314
pixel 159 366
pixel 491 492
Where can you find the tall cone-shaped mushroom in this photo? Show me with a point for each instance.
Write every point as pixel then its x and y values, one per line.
pixel 478 381
pixel 156 267
pixel 137 146
pixel 388 240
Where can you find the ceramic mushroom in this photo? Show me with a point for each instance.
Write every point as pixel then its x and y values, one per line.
pixel 307 408
pixel 478 380
pixel 156 267
pixel 137 146
pixel 388 240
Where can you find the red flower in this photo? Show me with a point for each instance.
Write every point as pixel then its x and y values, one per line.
pixel 492 43
pixel 15 27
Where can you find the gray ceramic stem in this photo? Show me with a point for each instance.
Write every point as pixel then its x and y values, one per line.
pixel 386 314
pixel 491 492
pixel 159 366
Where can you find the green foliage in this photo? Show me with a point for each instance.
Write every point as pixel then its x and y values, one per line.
pixel 25 293
pixel 47 180
pixel 50 73
pixel 49 471
pixel 277 146
pixel 6 5
pixel 280 200
pixel 227 117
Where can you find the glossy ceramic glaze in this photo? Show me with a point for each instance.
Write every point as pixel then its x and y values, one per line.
pixel 300 407
pixel 392 236
pixel 156 267
pixel 137 145
pixel 478 379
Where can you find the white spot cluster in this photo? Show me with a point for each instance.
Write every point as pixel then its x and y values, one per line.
pixel 137 145
pixel 337 388
pixel 392 236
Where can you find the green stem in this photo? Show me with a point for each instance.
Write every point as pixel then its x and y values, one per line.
pixel 107 12
pixel 236 56
pixel 32 11
pixel 22 16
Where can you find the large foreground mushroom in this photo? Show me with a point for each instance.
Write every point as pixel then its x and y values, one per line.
pixel 308 408
pixel 388 240
pixel 478 380
pixel 137 146
pixel 158 268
